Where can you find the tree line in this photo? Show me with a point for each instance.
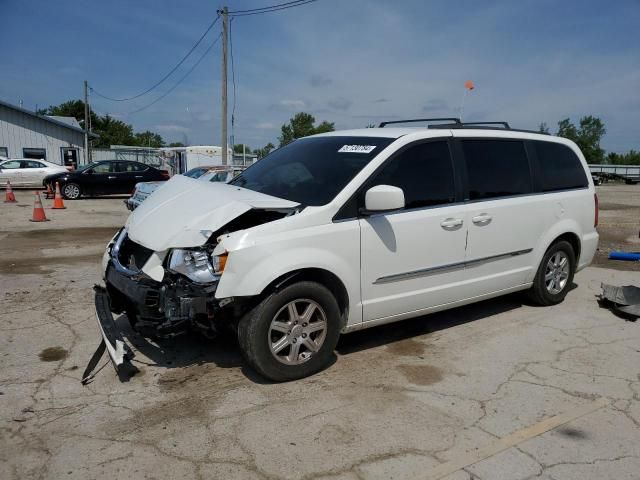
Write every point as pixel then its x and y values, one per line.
pixel 587 134
pixel 111 130
pixel 300 125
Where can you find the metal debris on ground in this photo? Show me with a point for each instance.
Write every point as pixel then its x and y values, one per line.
pixel 624 300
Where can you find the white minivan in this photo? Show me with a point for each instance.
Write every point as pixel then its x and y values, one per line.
pixel 347 230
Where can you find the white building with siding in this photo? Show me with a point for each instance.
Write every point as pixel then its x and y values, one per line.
pixel 25 134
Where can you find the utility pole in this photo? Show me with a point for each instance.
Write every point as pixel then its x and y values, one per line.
pixel 86 124
pixel 225 39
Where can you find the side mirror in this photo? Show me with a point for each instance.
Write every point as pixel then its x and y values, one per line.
pixel 89 172
pixel 383 198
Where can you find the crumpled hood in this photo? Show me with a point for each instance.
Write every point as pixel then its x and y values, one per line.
pixel 184 212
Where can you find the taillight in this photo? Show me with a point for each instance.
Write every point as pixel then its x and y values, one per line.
pixel 595 201
pixel 165 174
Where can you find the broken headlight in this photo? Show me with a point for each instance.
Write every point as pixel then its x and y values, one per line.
pixel 193 264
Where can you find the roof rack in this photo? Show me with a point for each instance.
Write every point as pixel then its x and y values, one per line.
pixel 415 120
pixel 504 124
pixel 485 126
pixel 455 123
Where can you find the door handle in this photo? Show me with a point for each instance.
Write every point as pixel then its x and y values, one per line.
pixel 482 219
pixel 111 177
pixel 138 176
pixel 451 223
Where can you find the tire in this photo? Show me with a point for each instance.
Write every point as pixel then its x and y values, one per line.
pixel 271 351
pixel 71 191
pixel 554 278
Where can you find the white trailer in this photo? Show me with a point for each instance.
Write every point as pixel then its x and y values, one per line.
pixel 182 159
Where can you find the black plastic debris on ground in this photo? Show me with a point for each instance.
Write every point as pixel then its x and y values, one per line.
pixel 623 301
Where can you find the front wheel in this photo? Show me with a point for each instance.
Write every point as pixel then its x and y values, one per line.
pixel 291 333
pixel 555 275
pixel 71 191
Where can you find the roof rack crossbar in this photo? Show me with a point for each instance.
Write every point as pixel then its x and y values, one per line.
pixel 415 120
pixel 504 124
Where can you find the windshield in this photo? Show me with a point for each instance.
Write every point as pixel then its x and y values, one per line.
pixel 195 172
pixel 311 171
pixel 218 176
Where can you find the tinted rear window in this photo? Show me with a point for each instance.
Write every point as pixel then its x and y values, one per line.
pixel 560 167
pixel 496 168
pixel 311 171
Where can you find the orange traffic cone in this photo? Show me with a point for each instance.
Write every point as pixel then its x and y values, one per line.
pixel 49 193
pixel 57 201
pixel 38 210
pixel 9 197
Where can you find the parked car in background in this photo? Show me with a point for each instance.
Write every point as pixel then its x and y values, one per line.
pixel 105 178
pixel 347 230
pixel 26 172
pixel 211 174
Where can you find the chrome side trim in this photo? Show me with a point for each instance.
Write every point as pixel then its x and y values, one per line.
pixel 418 273
pixel 499 256
pixel 450 266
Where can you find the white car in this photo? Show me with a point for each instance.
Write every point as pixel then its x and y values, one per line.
pixel 347 230
pixel 208 174
pixel 27 172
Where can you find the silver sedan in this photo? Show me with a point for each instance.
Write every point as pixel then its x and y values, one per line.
pixel 26 172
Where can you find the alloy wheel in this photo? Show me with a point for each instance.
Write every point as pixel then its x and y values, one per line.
pixel 557 272
pixel 297 331
pixel 71 191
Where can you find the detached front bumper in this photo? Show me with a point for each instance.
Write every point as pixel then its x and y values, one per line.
pixel 118 350
pixel 157 309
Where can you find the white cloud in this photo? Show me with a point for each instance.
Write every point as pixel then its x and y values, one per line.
pixel 340 103
pixel 171 128
pixel 319 80
pixel 293 104
pixel 266 126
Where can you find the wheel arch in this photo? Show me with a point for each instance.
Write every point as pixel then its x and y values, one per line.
pixel 568 230
pixel 573 240
pixel 319 275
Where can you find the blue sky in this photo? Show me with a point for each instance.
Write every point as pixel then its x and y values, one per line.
pixel 353 62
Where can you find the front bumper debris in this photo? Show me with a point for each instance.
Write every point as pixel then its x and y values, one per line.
pixel 119 352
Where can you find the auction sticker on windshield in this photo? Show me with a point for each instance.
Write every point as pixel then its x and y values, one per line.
pixel 356 149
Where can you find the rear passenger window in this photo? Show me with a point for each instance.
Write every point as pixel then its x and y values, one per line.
pixel 496 168
pixel 424 173
pixel 560 168
pixel 131 167
pixel 106 167
pixel 32 164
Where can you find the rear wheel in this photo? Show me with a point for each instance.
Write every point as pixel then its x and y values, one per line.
pixel 555 275
pixel 292 333
pixel 71 191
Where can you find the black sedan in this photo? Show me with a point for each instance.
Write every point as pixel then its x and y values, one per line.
pixel 104 178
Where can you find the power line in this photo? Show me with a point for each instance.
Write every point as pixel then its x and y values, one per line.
pixel 167 75
pixel 181 79
pixel 272 8
pixel 267 7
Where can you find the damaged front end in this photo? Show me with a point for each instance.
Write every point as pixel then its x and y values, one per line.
pixel 180 299
pixel 184 299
